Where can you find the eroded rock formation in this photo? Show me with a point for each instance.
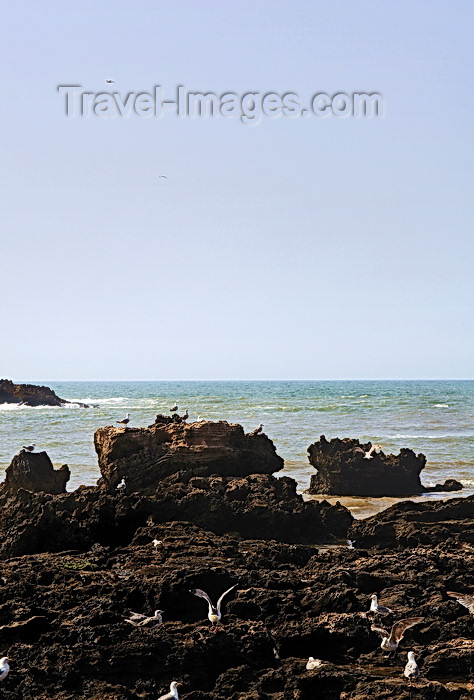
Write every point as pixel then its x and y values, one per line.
pixel 33 471
pixel 147 455
pixel 345 468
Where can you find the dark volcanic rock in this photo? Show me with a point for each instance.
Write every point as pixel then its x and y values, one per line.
pixel 62 621
pixel 260 506
pixel 344 471
pixel 33 471
pixel 32 395
pixel 147 455
pixel 449 485
pixel 408 524
pixel 29 394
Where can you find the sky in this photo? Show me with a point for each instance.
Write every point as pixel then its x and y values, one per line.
pixel 293 248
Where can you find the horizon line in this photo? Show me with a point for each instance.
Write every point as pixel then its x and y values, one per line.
pixel 346 379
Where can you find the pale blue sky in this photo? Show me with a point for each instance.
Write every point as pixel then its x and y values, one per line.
pixel 297 248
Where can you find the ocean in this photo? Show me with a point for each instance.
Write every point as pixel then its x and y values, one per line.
pixel 433 417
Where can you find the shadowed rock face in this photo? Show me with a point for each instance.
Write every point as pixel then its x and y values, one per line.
pixel 33 471
pixel 344 471
pixel 62 620
pixel 147 455
pixel 28 394
pixel 409 524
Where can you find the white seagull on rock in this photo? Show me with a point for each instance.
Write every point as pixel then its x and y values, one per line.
pixel 29 448
pixel 257 430
pixel 378 609
pixel 391 640
pixel 173 694
pixel 122 486
pixel 157 543
pixel 125 421
pixel 411 669
pixel 4 667
pixel 313 663
pixel 214 613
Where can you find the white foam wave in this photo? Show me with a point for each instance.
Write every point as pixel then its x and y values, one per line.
pixel 89 400
pixel 426 437
pixel 441 405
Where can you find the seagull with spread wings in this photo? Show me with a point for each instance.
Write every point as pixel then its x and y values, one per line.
pixel 391 640
pixel 463 599
pixel 214 613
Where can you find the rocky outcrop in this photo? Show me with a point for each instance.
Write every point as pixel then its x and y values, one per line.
pixel 147 455
pixel 33 471
pixel 259 506
pixel 28 394
pixel 350 468
pixel 62 620
pixel 408 524
pixel 32 395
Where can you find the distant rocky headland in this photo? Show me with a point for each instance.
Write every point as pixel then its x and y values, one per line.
pixel 31 395
pixel 200 507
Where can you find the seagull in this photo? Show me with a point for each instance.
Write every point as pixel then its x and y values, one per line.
pixel 109 80
pixel 173 694
pixel 185 415
pixel 368 455
pixel 466 600
pixel 140 620
pixel 157 543
pixel 391 640
pixel 4 667
pixel 411 669
pixel 257 430
pixel 29 448
pixel 313 663
pixel 174 409
pixel 122 486
pixel 350 544
pixel 125 421
pixel 378 609
pixel 214 613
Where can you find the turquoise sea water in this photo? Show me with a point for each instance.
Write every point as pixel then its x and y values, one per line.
pixel 433 417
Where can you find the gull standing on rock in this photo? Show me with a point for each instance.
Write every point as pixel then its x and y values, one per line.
pixel 391 640
pixel 214 614
pixel 466 600
pixel 122 486
pixel 173 694
pixel 313 663
pixel 185 415
pixel 257 430
pixel 4 667
pixel 125 421
pixel 411 669
pixel 378 609
pixel 157 543
pixel 29 448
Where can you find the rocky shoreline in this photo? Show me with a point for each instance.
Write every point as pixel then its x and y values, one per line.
pixel 203 509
